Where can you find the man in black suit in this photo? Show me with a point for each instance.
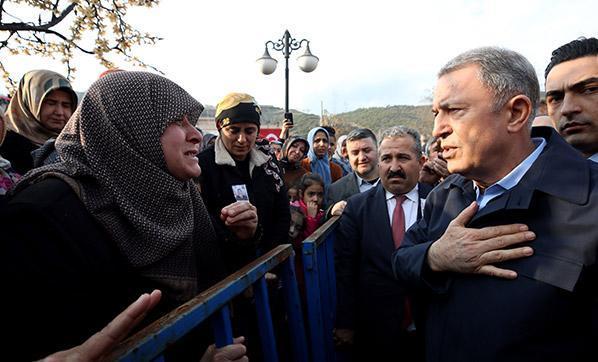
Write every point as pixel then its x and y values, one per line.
pixel 506 253
pixel 363 158
pixel 373 311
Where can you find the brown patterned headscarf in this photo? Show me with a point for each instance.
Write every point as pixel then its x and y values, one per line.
pixel 111 149
pixel 23 112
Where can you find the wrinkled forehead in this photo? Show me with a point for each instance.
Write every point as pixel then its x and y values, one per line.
pixel 460 85
pixel 397 145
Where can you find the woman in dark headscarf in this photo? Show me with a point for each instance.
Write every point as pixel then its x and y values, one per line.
pixel 39 109
pixel 118 216
pixel 208 140
pixel 294 150
pixel 239 168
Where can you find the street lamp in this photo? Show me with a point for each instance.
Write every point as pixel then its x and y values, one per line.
pixel 307 62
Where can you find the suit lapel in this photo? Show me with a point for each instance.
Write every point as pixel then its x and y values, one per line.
pixel 423 190
pixel 353 184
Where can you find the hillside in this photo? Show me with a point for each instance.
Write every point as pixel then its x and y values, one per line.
pixel 374 118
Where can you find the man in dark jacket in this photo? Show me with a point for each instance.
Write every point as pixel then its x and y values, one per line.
pixel 373 310
pixel 363 158
pixel 494 293
pixel 237 169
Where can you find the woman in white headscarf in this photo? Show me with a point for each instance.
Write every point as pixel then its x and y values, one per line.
pixel 118 216
pixel 340 155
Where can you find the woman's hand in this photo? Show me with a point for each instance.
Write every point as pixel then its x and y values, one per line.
pixel 240 218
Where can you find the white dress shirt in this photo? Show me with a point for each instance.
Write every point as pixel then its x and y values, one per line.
pixel 594 157
pixel 410 206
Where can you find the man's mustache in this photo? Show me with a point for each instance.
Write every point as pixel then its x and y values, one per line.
pixel 397 173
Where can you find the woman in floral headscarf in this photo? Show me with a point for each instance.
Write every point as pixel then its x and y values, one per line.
pixel 39 109
pixel 8 176
pixel 116 217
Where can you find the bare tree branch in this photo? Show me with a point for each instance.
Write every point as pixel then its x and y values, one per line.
pixel 101 20
pixel 1 9
pixel 42 28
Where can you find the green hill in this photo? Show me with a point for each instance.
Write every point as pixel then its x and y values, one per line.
pixel 374 118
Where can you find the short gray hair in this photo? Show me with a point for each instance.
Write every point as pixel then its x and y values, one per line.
pixel 402 131
pixel 504 72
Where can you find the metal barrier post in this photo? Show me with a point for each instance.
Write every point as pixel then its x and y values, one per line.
pixel 293 308
pixel 314 306
pixel 150 343
pixel 329 245
pixel 326 300
pixel 223 331
pixel 320 284
pixel 264 321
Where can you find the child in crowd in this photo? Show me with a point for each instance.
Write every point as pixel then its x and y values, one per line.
pixel 297 223
pixel 293 194
pixel 306 217
pixel 311 197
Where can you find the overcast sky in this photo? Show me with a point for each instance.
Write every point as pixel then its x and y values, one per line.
pixel 372 53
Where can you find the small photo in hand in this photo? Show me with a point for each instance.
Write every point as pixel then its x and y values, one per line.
pixel 240 193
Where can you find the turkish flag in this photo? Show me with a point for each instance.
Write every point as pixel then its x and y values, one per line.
pixel 270 134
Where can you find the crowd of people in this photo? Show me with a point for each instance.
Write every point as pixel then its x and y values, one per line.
pixel 479 244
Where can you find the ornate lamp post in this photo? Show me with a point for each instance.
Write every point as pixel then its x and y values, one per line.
pixel 307 62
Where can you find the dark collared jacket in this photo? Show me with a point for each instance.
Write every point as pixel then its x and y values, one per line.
pixel 370 299
pixel 549 313
pixel 265 189
pixel 342 189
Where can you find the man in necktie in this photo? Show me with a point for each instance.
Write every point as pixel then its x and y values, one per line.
pixel 372 311
pixel 362 151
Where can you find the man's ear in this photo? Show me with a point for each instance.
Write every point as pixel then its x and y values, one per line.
pixel 520 109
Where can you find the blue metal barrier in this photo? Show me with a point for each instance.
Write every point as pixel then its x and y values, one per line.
pixel 320 286
pixel 150 343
